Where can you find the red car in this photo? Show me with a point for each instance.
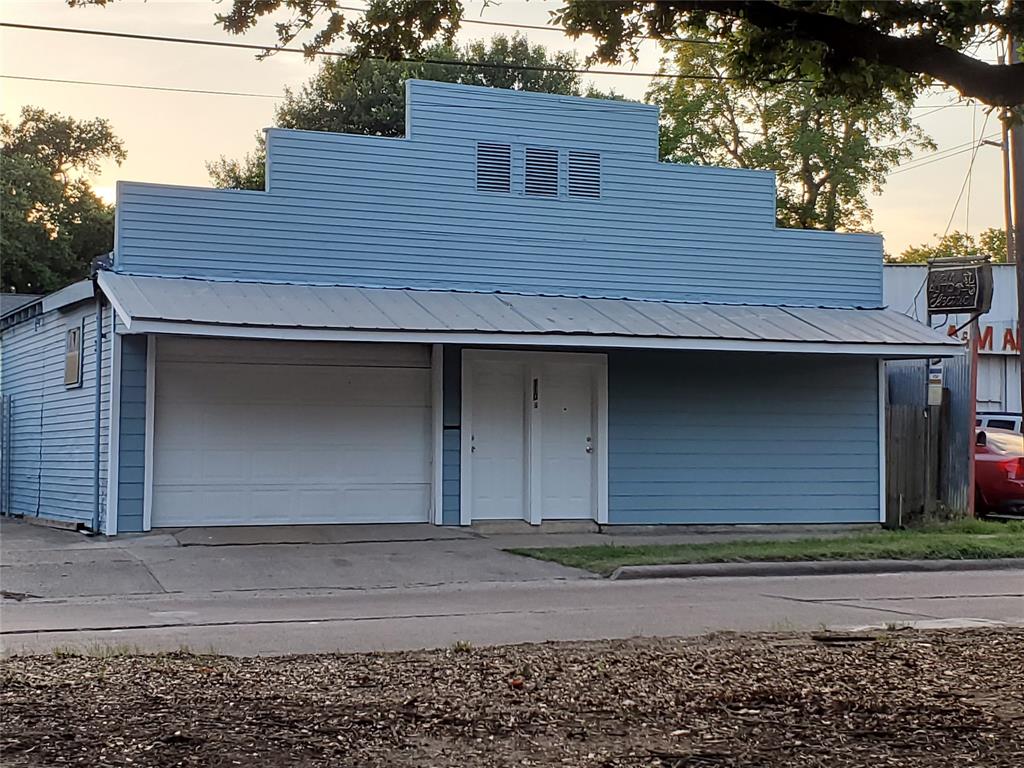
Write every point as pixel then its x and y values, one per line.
pixel 999 471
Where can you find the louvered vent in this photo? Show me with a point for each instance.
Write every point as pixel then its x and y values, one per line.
pixel 584 174
pixel 494 167
pixel 541 171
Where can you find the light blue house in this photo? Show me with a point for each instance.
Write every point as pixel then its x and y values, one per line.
pixel 514 312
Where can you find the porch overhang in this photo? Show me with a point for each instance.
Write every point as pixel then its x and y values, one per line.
pixel 186 306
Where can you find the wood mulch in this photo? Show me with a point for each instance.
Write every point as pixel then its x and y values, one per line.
pixel 899 698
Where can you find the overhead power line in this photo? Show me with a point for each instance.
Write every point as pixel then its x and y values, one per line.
pixel 139 87
pixel 942 154
pixel 439 62
pixel 967 180
pixel 550 28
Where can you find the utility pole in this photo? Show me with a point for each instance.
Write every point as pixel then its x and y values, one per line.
pixel 1017 161
pixel 1004 120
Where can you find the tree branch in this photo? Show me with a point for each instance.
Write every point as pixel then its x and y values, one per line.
pixel 995 84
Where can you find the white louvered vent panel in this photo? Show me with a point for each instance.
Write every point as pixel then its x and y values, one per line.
pixel 541 171
pixel 494 167
pixel 584 174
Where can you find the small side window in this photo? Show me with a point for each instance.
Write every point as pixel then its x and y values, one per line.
pixel 73 358
pixel 1002 424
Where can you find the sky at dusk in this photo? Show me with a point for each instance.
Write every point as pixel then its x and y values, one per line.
pixel 170 136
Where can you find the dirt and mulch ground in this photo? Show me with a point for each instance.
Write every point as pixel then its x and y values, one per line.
pixel 904 698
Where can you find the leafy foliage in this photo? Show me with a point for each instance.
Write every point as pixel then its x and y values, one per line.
pixel 368 97
pixel 827 150
pixel 859 48
pixel 990 244
pixel 53 222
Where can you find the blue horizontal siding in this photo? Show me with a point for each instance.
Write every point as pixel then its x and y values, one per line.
pixel 405 213
pixel 53 466
pixel 451 445
pixel 452 112
pixel 712 438
pixel 132 435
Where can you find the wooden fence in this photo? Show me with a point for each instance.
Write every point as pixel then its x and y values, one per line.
pixel 927 449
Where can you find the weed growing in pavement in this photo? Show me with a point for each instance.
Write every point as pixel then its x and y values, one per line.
pixel 461 646
pixel 99 651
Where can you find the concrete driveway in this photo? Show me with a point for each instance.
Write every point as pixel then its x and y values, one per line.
pixel 41 562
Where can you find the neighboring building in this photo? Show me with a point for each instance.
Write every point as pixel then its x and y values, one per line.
pixel 515 312
pixel 998 342
pixel 11 302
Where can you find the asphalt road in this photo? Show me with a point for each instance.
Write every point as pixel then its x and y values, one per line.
pixel 392 618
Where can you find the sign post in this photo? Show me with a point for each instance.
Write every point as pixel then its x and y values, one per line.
pixel 962 286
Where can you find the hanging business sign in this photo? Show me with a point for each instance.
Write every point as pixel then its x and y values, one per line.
pixel 959 287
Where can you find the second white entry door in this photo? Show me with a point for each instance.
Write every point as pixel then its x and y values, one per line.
pixel 567 441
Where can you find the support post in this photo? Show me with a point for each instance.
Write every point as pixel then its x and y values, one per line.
pixel 1017 161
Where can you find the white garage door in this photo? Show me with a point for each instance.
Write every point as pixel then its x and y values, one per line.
pixel 273 433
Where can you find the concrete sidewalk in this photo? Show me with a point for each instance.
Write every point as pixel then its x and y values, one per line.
pixel 497 613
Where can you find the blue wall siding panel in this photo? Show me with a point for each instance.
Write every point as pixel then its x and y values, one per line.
pixel 53 470
pixel 447 112
pixel 132 435
pixel 451 446
pixel 405 213
pixel 712 438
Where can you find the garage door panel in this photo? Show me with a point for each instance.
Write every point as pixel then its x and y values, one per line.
pixel 221 383
pixel 259 443
pixel 289 505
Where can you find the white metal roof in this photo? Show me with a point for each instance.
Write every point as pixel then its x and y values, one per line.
pixel 272 310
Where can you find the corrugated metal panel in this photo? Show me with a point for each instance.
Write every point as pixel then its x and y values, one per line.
pixel 907 382
pixel 954 475
pixel 406 213
pixel 380 309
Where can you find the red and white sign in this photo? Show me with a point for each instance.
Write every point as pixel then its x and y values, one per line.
pixel 998 338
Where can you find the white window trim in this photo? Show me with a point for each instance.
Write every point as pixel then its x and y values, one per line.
pixel 79 330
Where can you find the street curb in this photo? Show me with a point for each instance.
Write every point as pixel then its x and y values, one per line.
pixel 810 568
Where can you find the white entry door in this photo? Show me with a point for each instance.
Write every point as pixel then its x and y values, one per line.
pixel 533 436
pixel 497 440
pixel 567 446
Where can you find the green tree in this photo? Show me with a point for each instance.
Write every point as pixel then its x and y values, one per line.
pixel 990 244
pixel 53 224
pixel 854 47
pixel 826 150
pixel 368 97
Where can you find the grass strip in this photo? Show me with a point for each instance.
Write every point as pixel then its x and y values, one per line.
pixel 965 540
